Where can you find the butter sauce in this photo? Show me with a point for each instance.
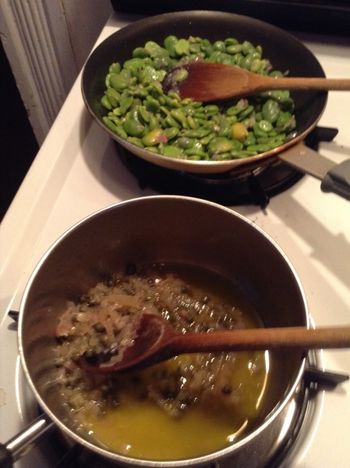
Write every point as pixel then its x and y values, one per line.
pixel 141 429
pixel 186 407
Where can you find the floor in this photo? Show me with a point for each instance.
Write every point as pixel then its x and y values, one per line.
pixel 18 143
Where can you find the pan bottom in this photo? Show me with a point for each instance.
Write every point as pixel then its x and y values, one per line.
pixel 255 186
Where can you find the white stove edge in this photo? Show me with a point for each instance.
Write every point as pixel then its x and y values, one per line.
pixel 311 227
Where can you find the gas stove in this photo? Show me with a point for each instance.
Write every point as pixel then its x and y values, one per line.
pixel 78 170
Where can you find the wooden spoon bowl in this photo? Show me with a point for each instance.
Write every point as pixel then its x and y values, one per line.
pixel 156 341
pixel 205 82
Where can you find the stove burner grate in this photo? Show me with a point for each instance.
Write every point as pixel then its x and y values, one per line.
pixel 254 187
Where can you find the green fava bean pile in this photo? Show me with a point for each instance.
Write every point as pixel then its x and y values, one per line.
pixel 140 111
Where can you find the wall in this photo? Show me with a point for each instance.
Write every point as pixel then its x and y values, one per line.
pixel 85 19
pixel 46 43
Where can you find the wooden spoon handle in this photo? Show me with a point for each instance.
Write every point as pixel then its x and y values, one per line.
pixel 306 83
pixel 263 338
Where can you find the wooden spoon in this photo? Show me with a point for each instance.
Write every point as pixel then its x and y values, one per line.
pixel 156 340
pixel 205 81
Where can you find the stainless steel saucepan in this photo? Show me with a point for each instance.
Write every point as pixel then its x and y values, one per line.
pixel 160 229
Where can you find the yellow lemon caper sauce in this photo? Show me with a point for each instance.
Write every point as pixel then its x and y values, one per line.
pixel 186 407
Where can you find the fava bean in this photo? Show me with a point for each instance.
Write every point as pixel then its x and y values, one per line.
pixel 250 139
pixel 153 149
pixel 106 103
pixel 154 137
pixel 171 132
pixel 169 43
pixel 234 49
pixel 265 126
pixel 191 122
pixel 140 52
pixel 111 125
pixel 247 61
pixel 182 47
pixel 139 110
pixel 118 82
pixel 115 68
pixel 230 41
pixel 125 104
pixel 245 112
pixel 171 122
pixel 152 104
pixel 113 97
pixel 220 145
pixel 285 121
pixel 271 110
pixel 132 125
pixel 153 49
pixel 180 117
pixel 172 151
pixel 144 114
pixel 196 154
pixel 184 142
pixel 206 47
pixel 219 45
pixel 247 48
pixel 197 133
pixel 153 122
pixel 255 65
pixel 258 132
pixel 136 141
pixel 222 156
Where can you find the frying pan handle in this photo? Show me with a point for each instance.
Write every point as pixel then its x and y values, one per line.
pixel 16 447
pixel 337 180
pixel 334 177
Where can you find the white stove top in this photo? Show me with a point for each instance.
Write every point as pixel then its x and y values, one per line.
pixel 77 172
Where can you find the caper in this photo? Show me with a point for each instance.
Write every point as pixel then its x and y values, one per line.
pixel 99 327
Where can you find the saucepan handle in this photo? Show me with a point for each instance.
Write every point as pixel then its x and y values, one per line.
pixel 6 460
pixel 16 447
pixel 334 177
